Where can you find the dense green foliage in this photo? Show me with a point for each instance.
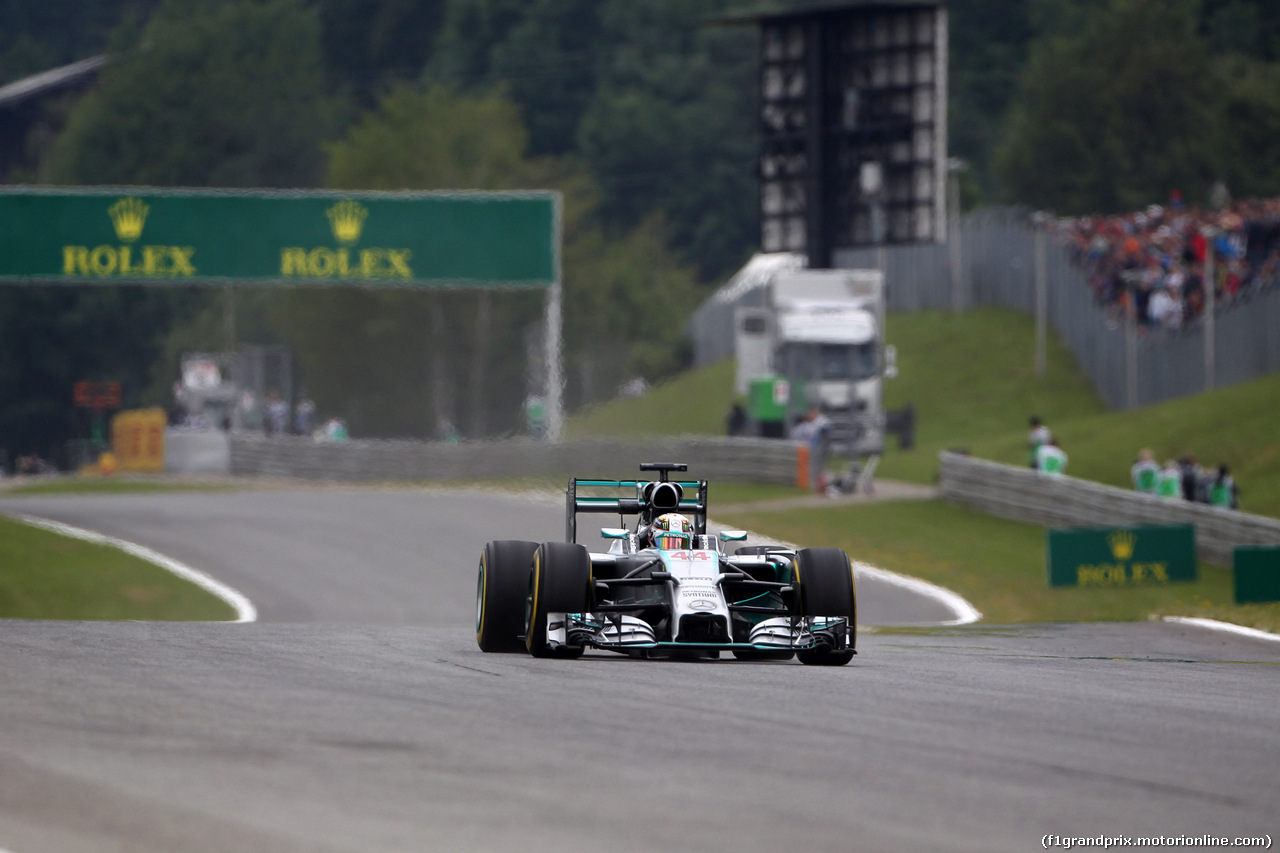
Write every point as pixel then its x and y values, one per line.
pixel 1133 104
pixel 369 44
pixel 246 116
pixel 36 36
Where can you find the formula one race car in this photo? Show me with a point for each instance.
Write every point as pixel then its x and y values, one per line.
pixel 665 588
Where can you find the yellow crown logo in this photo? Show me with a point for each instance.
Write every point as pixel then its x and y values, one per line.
pixel 128 215
pixel 347 218
pixel 1122 542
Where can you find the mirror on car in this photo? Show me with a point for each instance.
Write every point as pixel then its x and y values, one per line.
pixel 733 535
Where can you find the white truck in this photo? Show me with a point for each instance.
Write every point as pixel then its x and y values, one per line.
pixel 817 341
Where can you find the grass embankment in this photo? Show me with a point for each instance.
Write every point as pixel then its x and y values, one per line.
pixel 105 485
pixel 47 576
pixel 972 380
pixel 693 403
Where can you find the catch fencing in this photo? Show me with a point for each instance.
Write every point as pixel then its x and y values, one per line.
pixel 1024 495
pixel 997 267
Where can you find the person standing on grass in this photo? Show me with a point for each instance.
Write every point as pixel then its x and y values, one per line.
pixel 1223 491
pixel 1050 460
pixel 1037 438
pixel 1193 480
pixel 1169 484
pixel 1145 473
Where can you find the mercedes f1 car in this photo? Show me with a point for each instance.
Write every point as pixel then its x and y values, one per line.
pixel 665 587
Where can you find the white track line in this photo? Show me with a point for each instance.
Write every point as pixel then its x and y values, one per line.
pixel 1215 625
pixel 965 613
pixel 245 611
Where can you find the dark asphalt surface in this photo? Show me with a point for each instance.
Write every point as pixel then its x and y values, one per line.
pixel 358 715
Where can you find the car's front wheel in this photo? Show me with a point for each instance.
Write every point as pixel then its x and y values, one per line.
pixel 824 580
pixel 559 583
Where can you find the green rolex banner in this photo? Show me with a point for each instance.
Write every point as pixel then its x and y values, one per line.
pixel 148 235
pixel 1256 573
pixel 1121 556
pixel 117 235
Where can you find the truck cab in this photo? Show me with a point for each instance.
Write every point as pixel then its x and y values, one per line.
pixel 817 340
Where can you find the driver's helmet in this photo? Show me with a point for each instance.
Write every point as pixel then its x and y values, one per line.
pixel 671 532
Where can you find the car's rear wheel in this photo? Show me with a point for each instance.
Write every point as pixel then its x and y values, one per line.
pixel 824 579
pixel 500 594
pixel 559 583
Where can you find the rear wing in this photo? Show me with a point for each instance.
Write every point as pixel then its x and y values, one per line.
pixel 629 497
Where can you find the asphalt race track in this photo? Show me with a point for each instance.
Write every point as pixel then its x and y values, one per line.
pixel 358 714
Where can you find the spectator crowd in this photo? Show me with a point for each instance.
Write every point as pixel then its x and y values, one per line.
pixel 1156 258
pixel 1185 479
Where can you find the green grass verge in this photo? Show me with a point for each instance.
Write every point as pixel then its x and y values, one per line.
pixel 693 403
pixel 47 576
pixel 105 485
pixel 997 565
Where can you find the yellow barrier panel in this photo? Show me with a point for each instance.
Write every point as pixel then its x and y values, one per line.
pixel 137 439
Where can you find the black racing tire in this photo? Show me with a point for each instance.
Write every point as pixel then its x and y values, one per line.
pixel 824 579
pixel 825 657
pixel 560 582
pixel 760 654
pixel 500 594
